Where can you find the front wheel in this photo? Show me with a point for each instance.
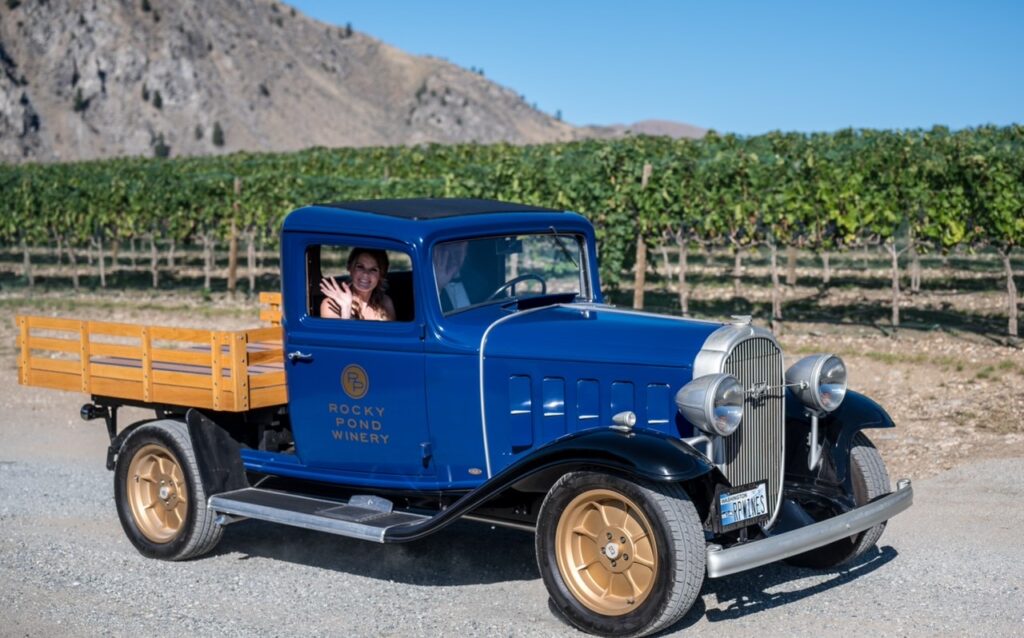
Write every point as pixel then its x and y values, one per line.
pixel 159 494
pixel 619 557
pixel 870 481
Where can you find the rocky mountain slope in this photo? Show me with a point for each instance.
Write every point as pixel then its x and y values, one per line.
pixel 83 79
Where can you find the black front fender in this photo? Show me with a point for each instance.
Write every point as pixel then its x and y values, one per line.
pixel 857 412
pixel 645 454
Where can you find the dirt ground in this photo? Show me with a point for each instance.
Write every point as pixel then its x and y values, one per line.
pixel 956 393
pixel 948 566
pixel 953 399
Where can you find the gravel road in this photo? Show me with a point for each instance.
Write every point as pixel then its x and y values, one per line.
pixel 952 565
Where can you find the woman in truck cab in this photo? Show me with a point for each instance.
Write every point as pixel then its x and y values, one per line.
pixel 363 296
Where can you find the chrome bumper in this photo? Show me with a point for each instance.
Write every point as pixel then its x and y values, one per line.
pixel 722 562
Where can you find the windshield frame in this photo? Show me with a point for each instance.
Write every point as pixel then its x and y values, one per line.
pixel 586 291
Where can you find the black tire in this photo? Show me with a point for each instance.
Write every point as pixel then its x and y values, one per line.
pixel 159 495
pixel 870 481
pixel 575 515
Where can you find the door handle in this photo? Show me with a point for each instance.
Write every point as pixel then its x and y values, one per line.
pixel 298 355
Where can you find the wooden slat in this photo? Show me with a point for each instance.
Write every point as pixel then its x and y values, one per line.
pixel 23 348
pixel 275 334
pixel 185 397
pixel 114 350
pixel 256 358
pixel 159 333
pixel 193 357
pixel 263 397
pixel 55 380
pixel 120 373
pixel 52 323
pixel 272 312
pixel 119 388
pixel 69 366
pixel 114 329
pixel 266 380
pixel 54 345
pixel 181 379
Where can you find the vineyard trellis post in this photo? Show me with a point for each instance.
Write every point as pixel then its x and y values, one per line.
pixel 640 275
pixel 791 264
pixel 26 263
pixel 233 238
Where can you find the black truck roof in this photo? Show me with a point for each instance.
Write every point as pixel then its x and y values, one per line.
pixel 435 208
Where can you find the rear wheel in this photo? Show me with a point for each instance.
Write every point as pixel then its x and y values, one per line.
pixel 159 495
pixel 619 557
pixel 870 481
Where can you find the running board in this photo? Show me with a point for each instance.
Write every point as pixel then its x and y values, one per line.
pixel 364 517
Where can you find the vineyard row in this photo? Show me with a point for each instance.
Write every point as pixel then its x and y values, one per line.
pixel 910 192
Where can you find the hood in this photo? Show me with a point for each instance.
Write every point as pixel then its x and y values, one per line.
pixel 598 334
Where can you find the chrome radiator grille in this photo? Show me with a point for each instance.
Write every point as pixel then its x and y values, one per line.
pixel 755 451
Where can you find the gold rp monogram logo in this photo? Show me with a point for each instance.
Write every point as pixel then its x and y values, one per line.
pixel 354 381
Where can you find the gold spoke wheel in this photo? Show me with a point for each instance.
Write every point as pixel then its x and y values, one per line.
pixel 606 552
pixel 157 493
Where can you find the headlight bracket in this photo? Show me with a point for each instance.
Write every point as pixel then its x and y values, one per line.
pixel 806 376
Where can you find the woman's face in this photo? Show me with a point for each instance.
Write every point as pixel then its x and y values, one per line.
pixel 365 273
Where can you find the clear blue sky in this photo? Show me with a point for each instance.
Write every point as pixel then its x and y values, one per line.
pixel 743 67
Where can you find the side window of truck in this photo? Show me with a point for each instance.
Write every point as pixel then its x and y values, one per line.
pixel 385 275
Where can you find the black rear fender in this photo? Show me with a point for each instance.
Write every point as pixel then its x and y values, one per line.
pixel 218 454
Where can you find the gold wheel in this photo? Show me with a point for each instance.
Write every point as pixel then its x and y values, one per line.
pixel 157 493
pixel 606 552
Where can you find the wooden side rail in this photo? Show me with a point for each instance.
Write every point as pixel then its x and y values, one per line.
pixel 230 371
pixel 270 308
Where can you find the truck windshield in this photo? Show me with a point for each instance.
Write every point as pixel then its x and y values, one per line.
pixel 494 269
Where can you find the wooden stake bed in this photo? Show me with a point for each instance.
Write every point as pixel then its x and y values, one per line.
pixel 154 364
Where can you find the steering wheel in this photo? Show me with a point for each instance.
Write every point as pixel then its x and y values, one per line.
pixel 515 280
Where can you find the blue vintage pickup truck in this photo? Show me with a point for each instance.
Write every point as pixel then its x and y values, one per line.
pixel 646 452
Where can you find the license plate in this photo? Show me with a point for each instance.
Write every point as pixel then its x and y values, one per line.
pixel 738 507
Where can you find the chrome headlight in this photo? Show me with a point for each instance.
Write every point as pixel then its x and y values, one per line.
pixel 713 403
pixel 819 381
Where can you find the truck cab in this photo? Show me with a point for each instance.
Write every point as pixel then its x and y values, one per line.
pixel 400 403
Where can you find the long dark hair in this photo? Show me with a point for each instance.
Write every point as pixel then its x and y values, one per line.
pixel 377 294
